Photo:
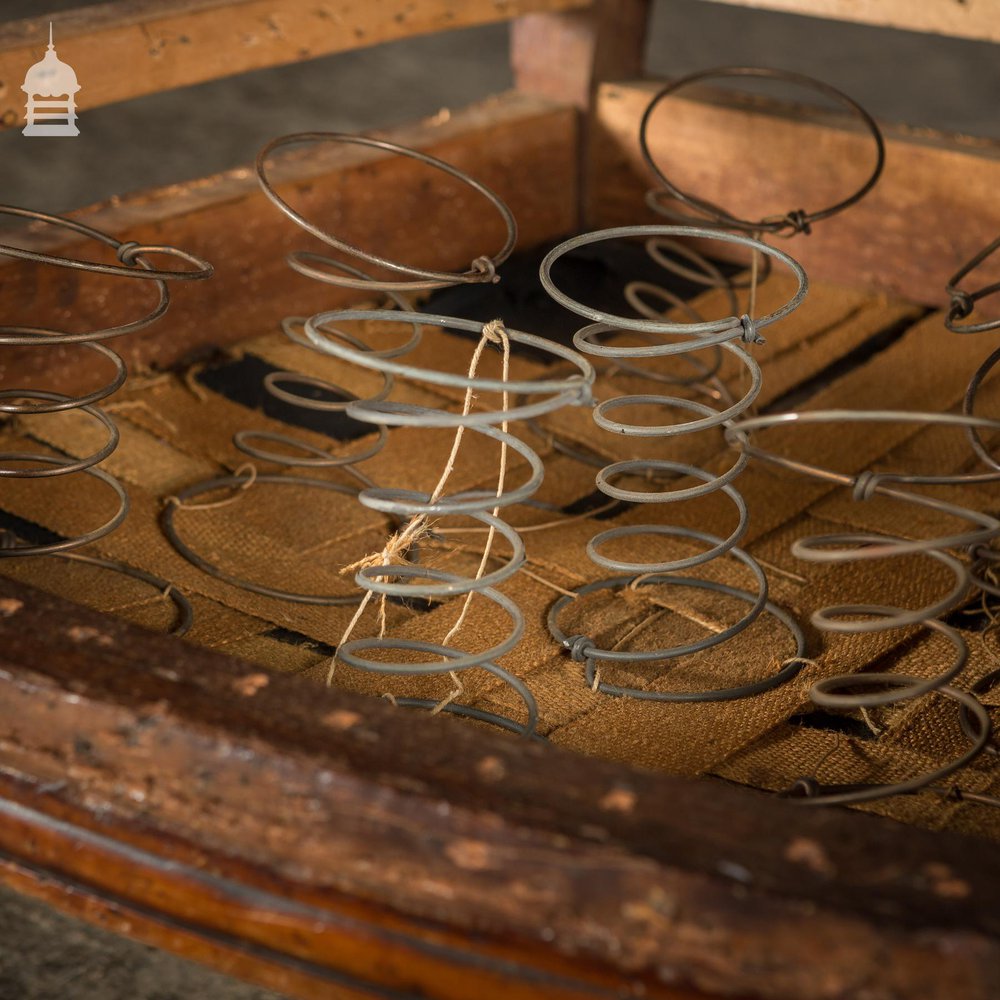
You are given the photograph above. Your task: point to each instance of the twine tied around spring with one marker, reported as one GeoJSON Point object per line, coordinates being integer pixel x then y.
{"type": "Point", "coordinates": [400, 543]}
{"type": "Point", "coordinates": [239, 489]}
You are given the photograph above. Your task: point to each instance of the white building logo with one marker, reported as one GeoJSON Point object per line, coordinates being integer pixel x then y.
{"type": "Point", "coordinates": [54, 79]}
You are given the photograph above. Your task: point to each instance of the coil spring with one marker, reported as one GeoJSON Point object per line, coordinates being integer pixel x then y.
{"type": "Point", "coordinates": [865, 619]}
{"type": "Point", "coordinates": [409, 580]}
{"type": "Point", "coordinates": [833, 692]}
{"type": "Point", "coordinates": [697, 336]}
{"type": "Point", "coordinates": [683, 261]}
{"type": "Point", "coordinates": [16, 402]}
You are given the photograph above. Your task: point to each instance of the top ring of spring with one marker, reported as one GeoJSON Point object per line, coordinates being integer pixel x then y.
{"type": "Point", "coordinates": [706, 333]}
{"type": "Point", "coordinates": [482, 269]}
{"type": "Point", "coordinates": [963, 302]}
{"type": "Point", "coordinates": [128, 253]}
{"type": "Point", "coordinates": [797, 220]}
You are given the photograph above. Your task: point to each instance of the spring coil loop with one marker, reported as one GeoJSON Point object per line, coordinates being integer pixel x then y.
{"type": "Point", "coordinates": [303, 391]}
{"type": "Point", "coordinates": [884, 689]}
{"type": "Point", "coordinates": [407, 580]}
{"type": "Point", "coordinates": [15, 402]}
{"type": "Point", "coordinates": [704, 212]}
{"type": "Point", "coordinates": [867, 619]}
{"type": "Point", "coordinates": [686, 263]}
{"type": "Point", "coordinates": [728, 335]}
{"type": "Point", "coordinates": [404, 577]}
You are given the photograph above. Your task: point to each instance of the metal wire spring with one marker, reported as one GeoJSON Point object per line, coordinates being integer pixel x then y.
{"type": "Point", "coordinates": [15, 402]}
{"type": "Point", "coordinates": [726, 335]}
{"type": "Point", "coordinates": [879, 689]}
{"type": "Point", "coordinates": [300, 454]}
{"type": "Point", "coordinates": [835, 692]}
{"type": "Point", "coordinates": [400, 574]}
{"type": "Point", "coordinates": [407, 580]}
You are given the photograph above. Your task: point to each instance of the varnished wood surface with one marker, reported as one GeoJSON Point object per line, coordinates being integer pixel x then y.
{"type": "Point", "coordinates": [522, 147]}
{"type": "Point", "coordinates": [580, 867]}
{"type": "Point", "coordinates": [129, 48]}
{"type": "Point", "coordinates": [932, 209]}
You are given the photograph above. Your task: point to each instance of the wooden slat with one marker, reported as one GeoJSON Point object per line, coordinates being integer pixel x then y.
{"type": "Point", "coordinates": [470, 845]}
{"type": "Point", "coordinates": [979, 19]}
{"type": "Point", "coordinates": [625, 879]}
{"type": "Point", "coordinates": [564, 56]}
{"type": "Point", "coordinates": [340, 948]}
{"type": "Point", "coordinates": [933, 208]}
{"type": "Point", "coordinates": [127, 49]}
{"type": "Point", "coordinates": [522, 147]}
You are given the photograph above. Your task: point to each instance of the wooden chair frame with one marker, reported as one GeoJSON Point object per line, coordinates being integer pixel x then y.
{"type": "Point", "coordinates": [327, 845]}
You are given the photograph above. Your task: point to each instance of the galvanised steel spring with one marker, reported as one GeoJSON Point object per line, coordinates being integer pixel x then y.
{"type": "Point", "coordinates": [728, 334]}
{"type": "Point", "coordinates": [398, 572]}
{"type": "Point", "coordinates": [133, 263]}
{"type": "Point", "coordinates": [881, 689]}
{"type": "Point", "coordinates": [407, 578]}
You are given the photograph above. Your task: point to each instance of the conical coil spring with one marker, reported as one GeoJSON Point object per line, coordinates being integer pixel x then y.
{"type": "Point", "coordinates": [303, 391]}
{"type": "Point", "coordinates": [405, 577]}
{"type": "Point", "coordinates": [729, 335]}
{"type": "Point", "coordinates": [963, 304]}
{"type": "Point", "coordinates": [880, 689]}
{"type": "Point", "coordinates": [16, 402]}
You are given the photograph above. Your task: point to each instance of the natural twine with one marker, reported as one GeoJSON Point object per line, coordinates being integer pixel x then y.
{"type": "Point", "coordinates": [399, 544]}
{"type": "Point", "coordinates": [240, 489]}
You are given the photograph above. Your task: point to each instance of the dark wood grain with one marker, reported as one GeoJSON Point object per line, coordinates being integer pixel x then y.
{"type": "Point", "coordinates": [579, 867]}
{"type": "Point", "coordinates": [522, 147]}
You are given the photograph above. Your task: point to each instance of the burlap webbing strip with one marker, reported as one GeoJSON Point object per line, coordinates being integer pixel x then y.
{"type": "Point", "coordinates": [178, 436]}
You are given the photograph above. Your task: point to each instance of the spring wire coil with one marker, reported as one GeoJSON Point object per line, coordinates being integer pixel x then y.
{"type": "Point", "coordinates": [878, 689]}
{"type": "Point", "coordinates": [408, 580]}
{"type": "Point", "coordinates": [728, 334]}
{"type": "Point", "coordinates": [831, 692]}
{"type": "Point", "coordinates": [14, 402]}
{"type": "Point", "coordinates": [404, 577]}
